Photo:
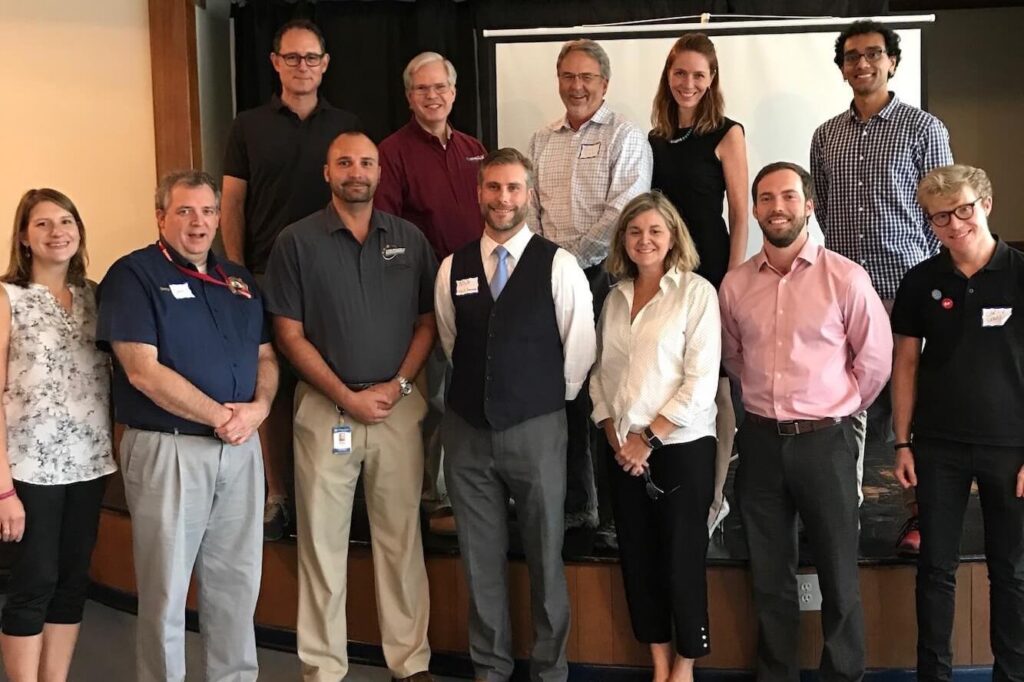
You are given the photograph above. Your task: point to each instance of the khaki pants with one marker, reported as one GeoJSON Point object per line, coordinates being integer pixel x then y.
{"type": "Point", "coordinates": [390, 456]}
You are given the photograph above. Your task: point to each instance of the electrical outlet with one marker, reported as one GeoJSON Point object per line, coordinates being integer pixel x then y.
{"type": "Point", "coordinates": [808, 591]}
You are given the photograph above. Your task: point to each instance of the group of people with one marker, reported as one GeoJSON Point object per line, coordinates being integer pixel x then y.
{"type": "Point", "coordinates": [433, 310]}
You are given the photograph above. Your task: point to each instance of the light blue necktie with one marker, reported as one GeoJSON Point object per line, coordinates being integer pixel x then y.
{"type": "Point", "coordinates": [501, 274]}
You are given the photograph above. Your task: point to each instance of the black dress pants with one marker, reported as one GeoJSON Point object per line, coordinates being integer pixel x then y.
{"type": "Point", "coordinates": [663, 545]}
{"type": "Point", "coordinates": [814, 475]}
{"type": "Point", "coordinates": [945, 470]}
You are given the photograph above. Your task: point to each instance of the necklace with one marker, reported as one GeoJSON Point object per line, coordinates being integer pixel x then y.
{"type": "Point", "coordinates": [683, 138]}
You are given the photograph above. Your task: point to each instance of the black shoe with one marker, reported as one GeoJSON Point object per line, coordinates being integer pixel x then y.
{"type": "Point", "coordinates": [275, 518]}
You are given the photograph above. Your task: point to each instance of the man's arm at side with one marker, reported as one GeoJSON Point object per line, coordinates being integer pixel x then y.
{"type": "Point", "coordinates": [904, 398]}
{"type": "Point", "coordinates": [165, 387]}
{"type": "Point", "coordinates": [574, 314]}
{"type": "Point", "coordinates": [232, 217]}
{"type": "Point", "coordinates": [869, 335]}
{"type": "Point", "coordinates": [444, 309]}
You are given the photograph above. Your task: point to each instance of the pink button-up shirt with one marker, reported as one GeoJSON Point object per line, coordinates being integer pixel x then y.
{"type": "Point", "coordinates": [812, 343]}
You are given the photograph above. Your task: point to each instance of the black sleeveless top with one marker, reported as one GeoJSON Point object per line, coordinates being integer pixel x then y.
{"type": "Point", "coordinates": [690, 175]}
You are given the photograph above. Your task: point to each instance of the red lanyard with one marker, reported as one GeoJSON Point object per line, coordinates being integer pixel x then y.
{"type": "Point", "coordinates": [234, 284]}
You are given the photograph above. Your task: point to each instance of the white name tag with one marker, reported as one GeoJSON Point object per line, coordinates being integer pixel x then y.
{"type": "Point", "coordinates": [464, 287]}
{"type": "Point", "coordinates": [181, 291]}
{"type": "Point", "coordinates": [590, 151]}
{"type": "Point", "coordinates": [341, 440]}
{"type": "Point", "coordinates": [995, 317]}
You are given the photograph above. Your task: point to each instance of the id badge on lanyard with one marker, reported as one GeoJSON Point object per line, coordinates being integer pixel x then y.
{"type": "Point", "coordinates": [341, 437]}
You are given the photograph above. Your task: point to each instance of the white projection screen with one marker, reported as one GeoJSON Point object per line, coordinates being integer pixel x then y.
{"type": "Point", "coordinates": [778, 79]}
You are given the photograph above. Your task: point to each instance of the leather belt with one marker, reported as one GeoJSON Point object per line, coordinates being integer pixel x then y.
{"type": "Point", "coordinates": [795, 427]}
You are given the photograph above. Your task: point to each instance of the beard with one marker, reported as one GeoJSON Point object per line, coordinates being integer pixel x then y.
{"type": "Point", "coordinates": [517, 218]}
{"type": "Point", "coordinates": [786, 237]}
{"type": "Point", "coordinates": [353, 192]}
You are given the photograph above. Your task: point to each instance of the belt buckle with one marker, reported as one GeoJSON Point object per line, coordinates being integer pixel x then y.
{"type": "Point", "coordinates": [794, 425]}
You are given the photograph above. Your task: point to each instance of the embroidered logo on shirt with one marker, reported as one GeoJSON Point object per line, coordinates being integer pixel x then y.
{"type": "Point", "coordinates": [389, 252]}
{"type": "Point", "coordinates": [475, 158]}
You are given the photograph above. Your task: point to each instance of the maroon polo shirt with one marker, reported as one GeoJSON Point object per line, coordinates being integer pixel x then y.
{"type": "Point", "coordinates": [431, 186]}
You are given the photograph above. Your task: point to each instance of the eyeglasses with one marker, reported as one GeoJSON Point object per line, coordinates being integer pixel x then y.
{"type": "Point", "coordinates": [293, 58]}
{"type": "Point", "coordinates": [437, 89]}
{"type": "Point", "coordinates": [586, 78]}
{"type": "Point", "coordinates": [872, 54]}
{"type": "Point", "coordinates": [653, 491]}
{"type": "Point", "coordinates": [963, 212]}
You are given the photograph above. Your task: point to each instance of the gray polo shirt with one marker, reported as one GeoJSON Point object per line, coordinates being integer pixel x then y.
{"type": "Point", "coordinates": [357, 303]}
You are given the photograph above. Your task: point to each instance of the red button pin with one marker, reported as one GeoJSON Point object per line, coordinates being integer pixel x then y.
{"type": "Point", "coordinates": [947, 303]}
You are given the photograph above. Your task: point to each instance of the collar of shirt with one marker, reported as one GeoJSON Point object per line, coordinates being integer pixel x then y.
{"type": "Point", "coordinates": [808, 254]}
{"type": "Point", "coordinates": [515, 246]}
{"type": "Point", "coordinates": [423, 136]}
{"type": "Point", "coordinates": [672, 277]}
{"type": "Point", "coordinates": [278, 104]}
{"type": "Point", "coordinates": [999, 260]}
{"type": "Point", "coordinates": [603, 115]}
{"type": "Point", "coordinates": [886, 111]}
{"type": "Point", "coordinates": [333, 221]}
{"type": "Point", "coordinates": [178, 259]}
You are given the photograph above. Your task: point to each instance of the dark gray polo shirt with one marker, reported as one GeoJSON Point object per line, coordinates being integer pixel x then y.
{"type": "Point", "coordinates": [357, 303]}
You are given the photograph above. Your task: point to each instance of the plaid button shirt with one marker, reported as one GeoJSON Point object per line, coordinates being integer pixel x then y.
{"type": "Point", "coordinates": [866, 175]}
{"type": "Point", "coordinates": [584, 179]}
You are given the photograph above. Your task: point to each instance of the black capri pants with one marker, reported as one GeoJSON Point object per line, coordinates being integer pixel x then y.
{"type": "Point", "coordinates": [50, 573]}
{"type": "Point", "coordinates": [663, 545]}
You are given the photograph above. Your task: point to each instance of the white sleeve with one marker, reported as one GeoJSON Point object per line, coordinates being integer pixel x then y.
{"type": "Point", "coordinates": [574, 313]}
{"type": "Point", "coordinates": [444, 309]}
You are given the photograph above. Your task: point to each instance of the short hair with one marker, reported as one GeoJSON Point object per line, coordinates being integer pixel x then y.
{"type": "Point", "coordinates": [863, 27]}
{"type": "Point", "coordinates": [507, 156]}
{"type": "Point", "coordinates": [188, 178]}
{"type": "Point", "coordinates": [19, 268]}
{"type": "Point", "coordinates": [682, 254]}
{"type": "Point", "coordinates": [299, 25]}
{"type": "Point", "coordinates": [805, 178]}
{"type": "Point", "coordinates": [590, 48]}
{"type": "Point", "coordinates": [711, 108]}
{"type": "Point", "coordinates": [947, 181]}
{"type": "Point", "coordinates": [421, 60]}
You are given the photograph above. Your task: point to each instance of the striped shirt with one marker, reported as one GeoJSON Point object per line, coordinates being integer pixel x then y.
{"type": "Point", "coordinates": [584, 179]}
{"type": "Point", "coordinates": [866, 175]}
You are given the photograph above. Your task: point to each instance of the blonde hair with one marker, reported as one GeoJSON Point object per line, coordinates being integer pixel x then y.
{"type": "Point", "coordinates": [682, 254]}
{"type": "Point", "coordinates": [19, 268]}
{"type": "Point", "coordinates": [710, 110]}
{"type": "Point", "coordinates": [946, 181]}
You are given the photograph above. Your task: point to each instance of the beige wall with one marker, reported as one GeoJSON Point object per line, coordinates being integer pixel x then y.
{"type": "Point", "coordinates": [77, 115]}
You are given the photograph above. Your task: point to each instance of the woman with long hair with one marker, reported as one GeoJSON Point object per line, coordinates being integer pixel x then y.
{"type": "Point", "coordinates": [700, 159]}
{"type": "Point", "coordinates": [55, 435]}
{"type": "Point", "coordinates": [653, 389]}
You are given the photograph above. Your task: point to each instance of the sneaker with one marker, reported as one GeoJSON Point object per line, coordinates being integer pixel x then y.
{"type": "Point", "coordinates": [715, 517]}
{"type": "Point", "coordinates": [275, 518]}
{"type": "Point", "coordinates": [909, 540]}
{"type": "Point", "coordinates": [606, 537]}
{"type": "Point", "coordinates": [582, 519]}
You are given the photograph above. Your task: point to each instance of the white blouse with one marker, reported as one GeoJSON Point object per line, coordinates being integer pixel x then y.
{"type": "Point", "coordinates": [663, 362]}
{"type": "Point", "coordinates": [57, 397]}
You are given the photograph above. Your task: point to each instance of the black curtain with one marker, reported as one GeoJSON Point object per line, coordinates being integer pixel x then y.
{"type": "Point", "coordinates": [371, 42]}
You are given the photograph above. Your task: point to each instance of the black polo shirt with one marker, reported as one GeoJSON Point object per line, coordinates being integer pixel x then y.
{"type": "Point", "coordinates": [358, 303]}
{"type": "Point", "coordinates": [202, 331]}
{"type": "Point", "coordinates": [281, 157]}
{"type": "Point", "coordinates": [970, 384]}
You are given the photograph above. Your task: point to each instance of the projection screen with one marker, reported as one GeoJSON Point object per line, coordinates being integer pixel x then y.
{"type": "Point", "coordinates": [778, 79]}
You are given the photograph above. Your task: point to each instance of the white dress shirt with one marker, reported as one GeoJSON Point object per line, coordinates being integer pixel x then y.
{"type": "Point", "coordinates": [584, 179]}
{"type": "Point", "coordinates": [663, 362]}
{"type": "Point", "coordinates": [574, 307]}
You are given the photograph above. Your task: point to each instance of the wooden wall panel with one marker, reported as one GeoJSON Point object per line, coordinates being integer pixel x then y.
{"type": "Point", "coordinates": [172, 38]}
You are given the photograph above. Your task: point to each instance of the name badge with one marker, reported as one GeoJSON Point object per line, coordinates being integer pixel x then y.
{"type": "Point", "coordinates": [995, 317]}
{"type": "Point", "coordinates": [180, 291]}
{"type": "Point", "coordinates": [464, 287]}
{"type": "Point", "coordinates": [590, 151]}
{"type": "Point", "coordinates": [341, 439]}
{"type": "Point", "coordinates": [390, 252]}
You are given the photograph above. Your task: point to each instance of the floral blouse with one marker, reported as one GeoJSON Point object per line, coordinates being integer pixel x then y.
{"type": "Point", "coordinates": [57, 397]}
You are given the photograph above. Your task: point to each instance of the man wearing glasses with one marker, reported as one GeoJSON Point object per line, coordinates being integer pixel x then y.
{"type": "Point", "coordinates": [428, 177]}
{"type": "Point", "coordinates": [958, 408]}
{"type": "Point", "coordinates": [273, 176]}
{"type": "Point", "coordinates": [590, 162]}
{"type": "Point", "coordinates": [808, 340]}
{"type": "Point", "coordinates": [866, 163]}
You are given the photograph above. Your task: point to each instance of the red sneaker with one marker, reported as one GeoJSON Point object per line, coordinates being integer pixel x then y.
{"type": "Point", "coordinates": [909, 540]}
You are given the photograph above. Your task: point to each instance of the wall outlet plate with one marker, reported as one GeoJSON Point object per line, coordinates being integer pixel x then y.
{"type": "Point", "coordinates": [808, 591]}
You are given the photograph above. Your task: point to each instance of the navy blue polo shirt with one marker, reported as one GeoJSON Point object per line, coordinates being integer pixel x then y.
{"type": "Point", "coordinates": [201, 330]}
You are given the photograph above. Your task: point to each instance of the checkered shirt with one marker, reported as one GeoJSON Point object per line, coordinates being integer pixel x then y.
{"type": "Point", "coordinates": [866, 175]}
{"type": "Point", "coordinates": [584, 179]}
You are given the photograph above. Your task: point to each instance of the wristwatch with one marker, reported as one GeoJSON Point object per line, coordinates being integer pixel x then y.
{"type": "Point", "coordinates": [404, 384]}
{"type": "Point", "coordinates": [652, 440]}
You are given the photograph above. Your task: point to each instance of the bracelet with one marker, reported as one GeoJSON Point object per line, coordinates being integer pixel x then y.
{"type": "Point", "coordinates": [10, 493]}
{"type": "Point", "coordinates": [900, 446]}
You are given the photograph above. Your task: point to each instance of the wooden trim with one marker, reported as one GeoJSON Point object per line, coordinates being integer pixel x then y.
{"type": "Point", "coordinates": [176, 123]}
